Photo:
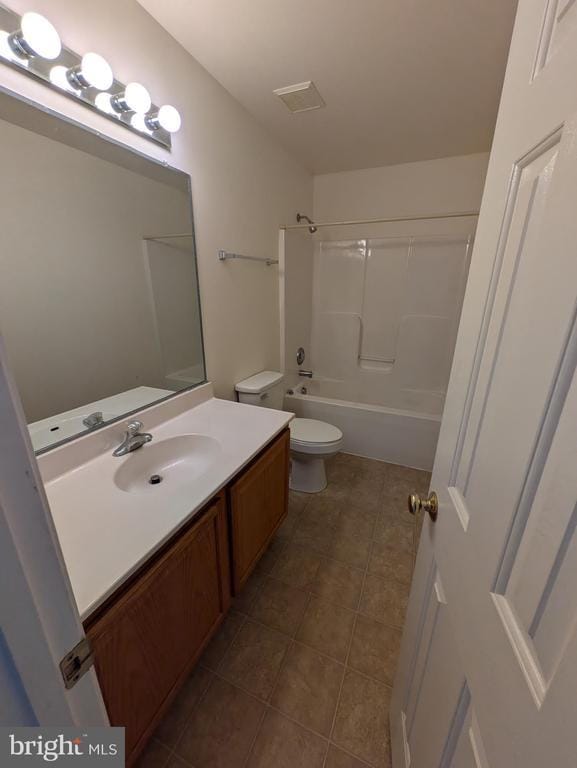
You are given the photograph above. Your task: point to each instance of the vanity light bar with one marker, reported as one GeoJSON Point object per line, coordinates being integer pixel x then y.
{"type": "Point", "coordinates": [31, 44]}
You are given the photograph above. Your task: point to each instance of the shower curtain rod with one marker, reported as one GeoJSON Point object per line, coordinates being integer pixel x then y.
{"type": "Point", "coordinates": [167, 237]}
{"type": "Point", "coordinates": [421, 217]}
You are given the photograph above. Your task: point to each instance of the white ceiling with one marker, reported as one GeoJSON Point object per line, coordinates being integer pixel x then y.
{"type": "Point", "coordinates": [403, 80]}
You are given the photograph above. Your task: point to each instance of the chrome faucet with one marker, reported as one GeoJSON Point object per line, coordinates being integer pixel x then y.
{"type": "Point", "coordinates": [306, 374]}
{"type": "Point", "coordinates": [133, 439]}
{"type": "Point", "coordinates": [93, 420]}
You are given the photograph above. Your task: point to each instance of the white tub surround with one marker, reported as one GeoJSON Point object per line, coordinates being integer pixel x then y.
{"type": "Point", "coordinates": [107, 525]}
{"type": "Point", "coordinates": [397, 436]}
{"type": "Point", "coordinates": [385, 316]}
{"type": "Point", "coordinates": [381, 333]}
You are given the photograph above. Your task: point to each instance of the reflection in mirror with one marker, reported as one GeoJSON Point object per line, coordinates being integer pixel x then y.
{"type": "Point", "coordinates": [99, 305]}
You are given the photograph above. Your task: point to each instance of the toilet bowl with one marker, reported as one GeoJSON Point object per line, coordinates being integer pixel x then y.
{"type": "Point", "coordinates": [311, 441]}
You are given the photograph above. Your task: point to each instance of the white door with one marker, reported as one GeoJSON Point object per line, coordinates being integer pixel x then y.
{"type": "Point", "coordinates": [39, 622]}
{"type": "Point", "coordinates": [488, 668]}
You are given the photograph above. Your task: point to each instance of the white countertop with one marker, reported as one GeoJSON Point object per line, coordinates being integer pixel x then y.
{"type": "Point", "coordinates": [106, 533]}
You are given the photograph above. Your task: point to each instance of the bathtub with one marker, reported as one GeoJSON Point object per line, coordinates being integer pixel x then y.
{"type": "Point", "coordinates": [376, 432]}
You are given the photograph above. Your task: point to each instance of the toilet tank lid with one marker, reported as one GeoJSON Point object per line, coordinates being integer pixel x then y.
{"type": "Point", "coordinates": [260, 382]}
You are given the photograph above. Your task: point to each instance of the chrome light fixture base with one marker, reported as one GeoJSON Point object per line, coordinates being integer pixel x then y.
{"type": "Point", "coordinates": [23, 60]}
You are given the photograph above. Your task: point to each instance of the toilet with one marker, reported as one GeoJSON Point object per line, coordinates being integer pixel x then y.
{"type": "Point", "coordinates": [311, 441]}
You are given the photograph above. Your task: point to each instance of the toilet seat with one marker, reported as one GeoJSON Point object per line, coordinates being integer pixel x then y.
{"type": "Point", "coordinates": [314, 437]}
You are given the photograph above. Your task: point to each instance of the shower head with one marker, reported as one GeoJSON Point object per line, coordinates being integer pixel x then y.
{"type": "Point", "coordinates": [312, 228]}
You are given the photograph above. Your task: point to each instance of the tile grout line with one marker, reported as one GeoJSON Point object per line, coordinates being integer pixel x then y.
{"type": "Point", "coordinates": [350, 645]}
{"type": "Point", "coordinates": [202, 696]}
{"type": "Point", "coordinates": [287, 650]}
{"type": "Point", "coordinates": [245, 617]}
{"type": "Point", "coordinates": [236, 634]}
{"type": "Point", "coordinates": [358, 613]}
{"type": "Point", "coordinates": [267, 703]}
{"type": "Point", "coordinates": [256, 735]}
{"type": "Point", "coordinates": [293, 642]}
{"type": "Point", "coordinates": [197, 704]}
{"type": "Point", "coordinates": [268, 706]}
{"type": "Point", "coordinates": [310, 592]}
{"type": "Point", "coordinates": [338, 700]}
{"type": "Point", "coordinates": [311, 596]}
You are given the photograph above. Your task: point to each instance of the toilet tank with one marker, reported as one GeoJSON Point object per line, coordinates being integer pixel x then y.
{"type": "Point", "coordinates": [264, 389]}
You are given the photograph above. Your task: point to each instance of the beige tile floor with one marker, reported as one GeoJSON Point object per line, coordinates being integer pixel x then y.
{"type": "Point", "coordinates": [300, 673]}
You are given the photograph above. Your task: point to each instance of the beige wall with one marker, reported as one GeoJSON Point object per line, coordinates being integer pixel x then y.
{"type": "Point", "coordinates": [244, 184]}
{"type": "Point", "coordinates": [433, 186]}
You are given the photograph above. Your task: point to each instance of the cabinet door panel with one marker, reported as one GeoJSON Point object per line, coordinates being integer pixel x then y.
{"type": "Point", "coordinates": [146, 642]}
{"type": "Point", "coordinates": [259, 503]}
{"type": "Point", "coordinates": [276, 482]}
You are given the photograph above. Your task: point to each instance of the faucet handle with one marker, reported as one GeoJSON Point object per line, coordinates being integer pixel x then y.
{"type": "Point", "coordinates": [133, 427]}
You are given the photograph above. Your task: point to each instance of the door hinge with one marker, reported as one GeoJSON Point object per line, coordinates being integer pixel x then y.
{"type": "Point", "coordinates": [76, 663]}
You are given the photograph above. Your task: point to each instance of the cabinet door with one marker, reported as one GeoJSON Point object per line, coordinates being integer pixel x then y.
{"type": "Point", "coordinates": [258, 505]}
{"type": "Point", "coordinates": [146, 643]}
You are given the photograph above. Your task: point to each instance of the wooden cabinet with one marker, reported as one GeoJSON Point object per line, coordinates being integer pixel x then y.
{"type": "Point", "coordinates": [149, 634]}
{"type": "Point", "coordinates": [147, 640]}
{"type": "Point", "coordinates": [258, 505]}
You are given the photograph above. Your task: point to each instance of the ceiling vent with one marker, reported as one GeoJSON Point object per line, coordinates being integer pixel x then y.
{"type": "Point", "coordinates": [300, 97]}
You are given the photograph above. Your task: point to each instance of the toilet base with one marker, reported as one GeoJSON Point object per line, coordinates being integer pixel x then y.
{"type": "Point", "coordinates": [307, 473]}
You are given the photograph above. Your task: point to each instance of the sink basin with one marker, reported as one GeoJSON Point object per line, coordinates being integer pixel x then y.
{"type": "Point", "coordinates": [171, 463]}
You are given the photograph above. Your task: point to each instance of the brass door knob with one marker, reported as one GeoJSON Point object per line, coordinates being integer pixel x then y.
{"type": "Point", "coordinates": [430, 505]}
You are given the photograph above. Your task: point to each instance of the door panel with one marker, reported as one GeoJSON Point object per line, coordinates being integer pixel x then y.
{"type": "Point", "coordinates": [526, 204]}
{"type": "Point", "coordinates": [490, 673]}
{"type": "Point", "coordinates": [466, 750]}
{"type": "Point", "coordinates": [428, 730]}
{"type": "Point", "coordinates": [560, 22]}
{"type": "Point", "coordinates": [536, 597]}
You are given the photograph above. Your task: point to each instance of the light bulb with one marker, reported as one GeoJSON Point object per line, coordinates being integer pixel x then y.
{"type": "Point", "coordinates": [93, 72]}
{"type": "Point", "coordinates": [137, 98]}
{"type": "Point", "coordinates": [36, 37]}
{"type": "Point", "coordinates": [169, 118]}
{"type": "Point", "coordinates": [134, 99]}
{"type": "Point", "coordinates": [58, 77]}
{"type": "Point", "coordinates": [138, 121]}
{"type": "Point", "coordinates": [103, 102]}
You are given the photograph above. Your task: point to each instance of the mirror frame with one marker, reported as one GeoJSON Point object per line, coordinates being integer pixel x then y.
{"type": "Point", "coordinates": [120, 146]}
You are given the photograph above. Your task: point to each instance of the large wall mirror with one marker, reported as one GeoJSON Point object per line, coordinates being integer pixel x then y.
{"type": "Point", "coordinates": [99, 303]}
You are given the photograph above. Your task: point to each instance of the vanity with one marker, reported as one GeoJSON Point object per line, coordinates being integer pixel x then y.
{"type": "Point", "coordinates": [153, 566]}
{"type": "Point", "coordinates": [100, 314]}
